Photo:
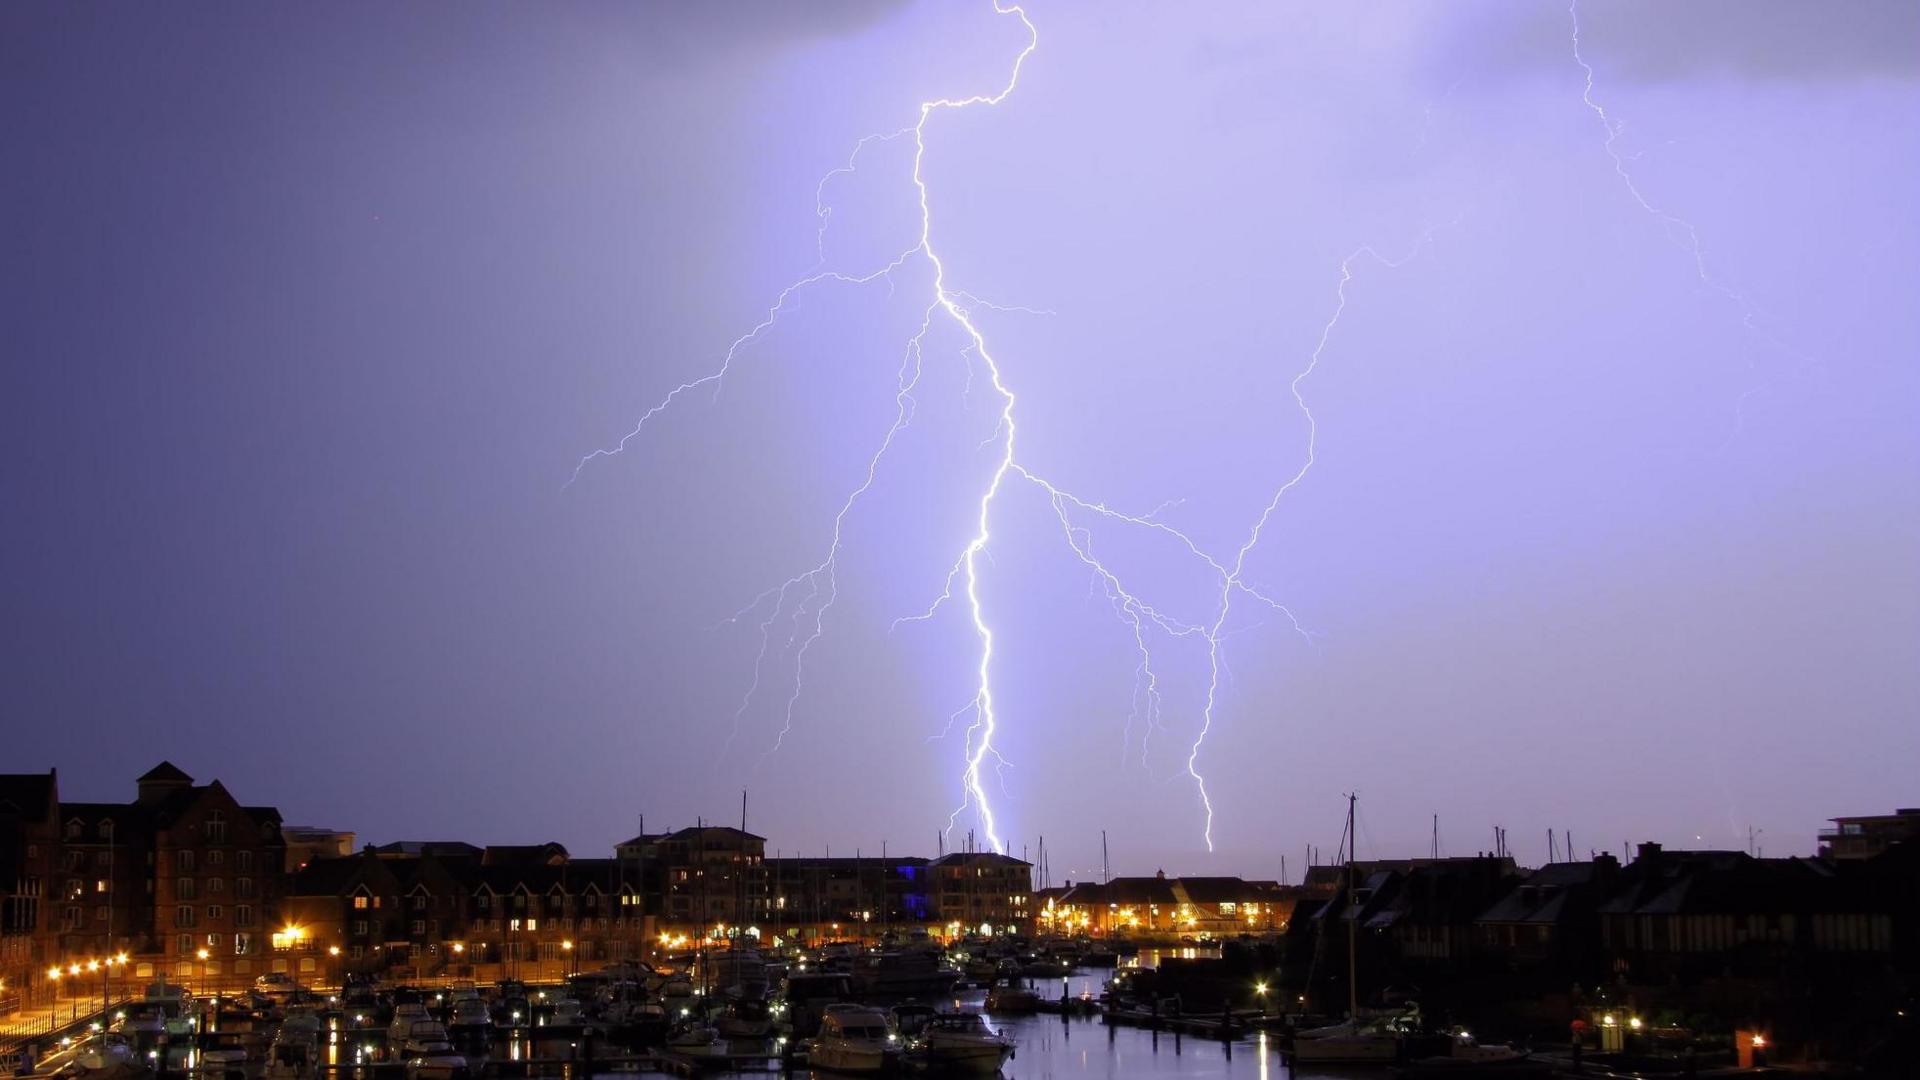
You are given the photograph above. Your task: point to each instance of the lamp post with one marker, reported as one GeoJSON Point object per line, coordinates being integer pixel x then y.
{"type": "Point", "coordinates": [203, 954]}
{"type": "Point", "coordinates": [566, 959]}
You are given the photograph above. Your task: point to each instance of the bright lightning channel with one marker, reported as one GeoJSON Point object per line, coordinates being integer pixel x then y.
{"type": "Point", "coordinates": [806, 598]}
{"type": "Point", "coordinates": [1231, 579]}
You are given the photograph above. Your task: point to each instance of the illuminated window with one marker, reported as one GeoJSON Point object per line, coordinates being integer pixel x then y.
{"type": "Point", "coordinates": [360, 903]}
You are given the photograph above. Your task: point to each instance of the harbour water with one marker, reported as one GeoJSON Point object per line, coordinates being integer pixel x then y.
{"type": "Point", "coordinates": [1065, 1044]}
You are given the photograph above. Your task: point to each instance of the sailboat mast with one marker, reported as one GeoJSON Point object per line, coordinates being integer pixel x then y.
{"type": "Point", "coordinates": [1353, 925]}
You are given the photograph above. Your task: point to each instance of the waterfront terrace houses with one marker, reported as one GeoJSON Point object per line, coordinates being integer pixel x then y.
{"type": "Point", "coordinates": [505, 912]}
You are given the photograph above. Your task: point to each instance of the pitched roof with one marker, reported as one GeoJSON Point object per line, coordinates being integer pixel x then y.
{"type": "Point", "coordinates": [165, 772]}
{"type": "Point", "coordinates": [416, 848]}
{"type": "Point", "coordinates": [697, 832]}
{"type": "Point", "coordinates": [28, 794]}
{"type": "Point", "coordinates": [1217, 890]}
{"type": "Point", "coordinates": [976, 858]}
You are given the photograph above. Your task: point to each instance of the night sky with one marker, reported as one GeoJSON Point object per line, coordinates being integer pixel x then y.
{"type": "Point", "coordinates": [309, 313]}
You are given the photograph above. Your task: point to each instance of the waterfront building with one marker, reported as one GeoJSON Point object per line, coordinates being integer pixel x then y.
{"type": "Point", "coordinates": [1870, 835]}
{"type": "Point", "coordinates": [1159, 905]}
{"type": "Point", "coordinates": [982, 892]}
{"type": "Point", "coordinates": [703, 879]}
{"type": "Point", "coordinates": [29, 851]}
{"type": "Point", "coordinates": [178, 883]}
{"type": "Point", "coordinates": [809, 894]}
{"type": "Point", "coordinates": [499, 912]}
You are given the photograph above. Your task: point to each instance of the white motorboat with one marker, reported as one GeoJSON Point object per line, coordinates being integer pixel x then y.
{"type": "Point", "coordinates": [423, 1036]}
{"type": "Point", "coordinates": [435, 1061]}
{"type": "Point", "coordinates": [1012, 1000]}
{"type": "Point", "coordinates": [107, 1052]}
{"type": "Point", "coordinates": [142, 1025]}
{"type": "Point", "coordinates": [223, 1055]}
{"type": "Point", "coordinates": [739, 974]}
{"type": "Point", "coordinates": [567, 1012]}
{"type": "Point", "coordinates": [854, 1039]}
{"type": "Point", "coordinates": [697, 1039]}
{"type": "Point", "coordinates": [1365, 1044]}
{"type": "Point", "coordinates": [405, 1015]}
{"type": "Point", "coordinates": [471, 1015]}
{"type": "Point", "coordinates": [961, 1044]}
{"type": "Point", "coordinates": [915, 974]}
{"type": "Point", "coordinates": [296, 1049]}
{"type": "Point", "coordinates": [1467, 1057]}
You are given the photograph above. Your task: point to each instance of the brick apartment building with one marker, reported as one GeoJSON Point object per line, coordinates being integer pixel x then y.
{"type": "Point", "coordinates": [143, 887]}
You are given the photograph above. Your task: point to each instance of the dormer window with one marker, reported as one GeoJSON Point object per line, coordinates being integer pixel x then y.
{"type": "Point", "coordinates": [215, 828]}
{"type": "Point", "coordinates": [106, 830]}
{"type": "Point", "coordinates": [73, 830]}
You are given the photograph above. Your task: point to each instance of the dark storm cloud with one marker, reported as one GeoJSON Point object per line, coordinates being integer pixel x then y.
{"type": "Point", "coordinates": [1661, 41]}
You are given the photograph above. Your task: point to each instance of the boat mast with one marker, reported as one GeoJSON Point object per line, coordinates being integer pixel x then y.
{"type": "Point", "coordinates": [1353, 925]}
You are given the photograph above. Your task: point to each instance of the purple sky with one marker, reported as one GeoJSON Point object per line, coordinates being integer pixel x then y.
{"type": "Point", "coordinates": [309, 314]}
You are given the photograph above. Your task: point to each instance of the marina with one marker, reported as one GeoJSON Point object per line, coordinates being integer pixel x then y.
{"type": "Point", "coordinates": [689, 1019]}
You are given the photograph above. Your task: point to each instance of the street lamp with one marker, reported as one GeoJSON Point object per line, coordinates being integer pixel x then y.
{"type": "Point", "coordinates": [202, 954]}
{"type": "Point", "coordinates": [567, 961]}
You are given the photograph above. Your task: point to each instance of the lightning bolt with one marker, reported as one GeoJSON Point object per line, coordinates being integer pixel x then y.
{"type": "Point", "coordinates": [986, 722]}
{"type": "Point", "coordinates": [805, 600]}
{"type": "Point", "coordinates": [1232, 578]}
{"type": "Point", "coordinates": [1677, 229]}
